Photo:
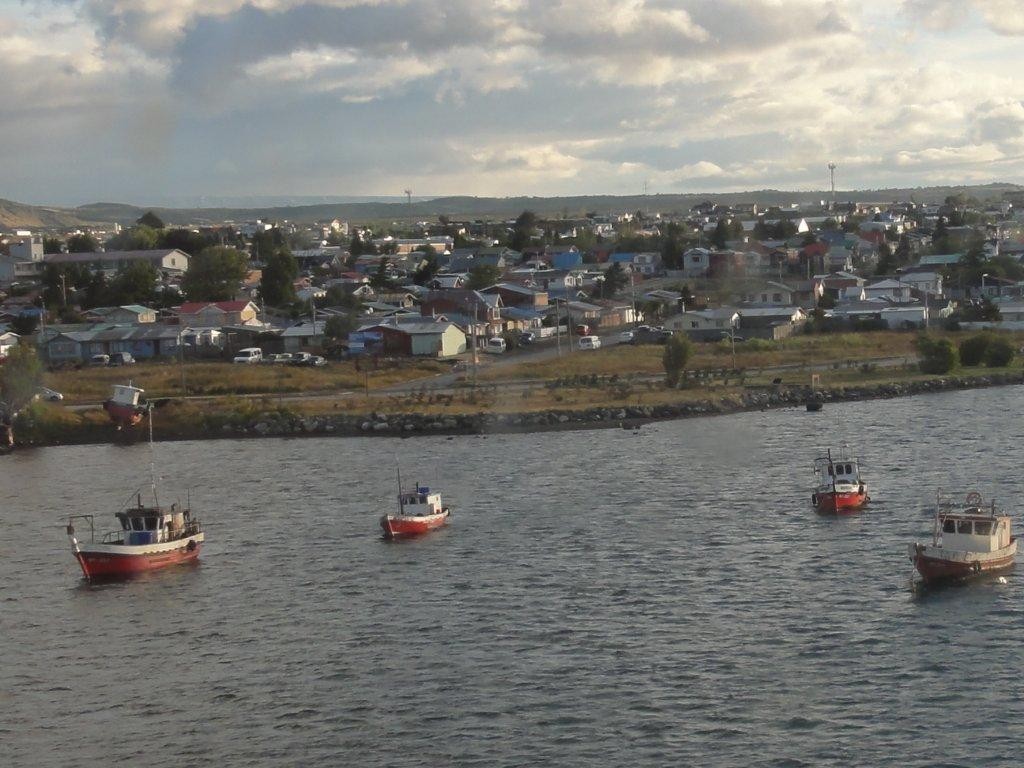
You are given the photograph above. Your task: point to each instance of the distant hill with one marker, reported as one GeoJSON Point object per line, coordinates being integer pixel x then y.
{"type": "Point", "coordinates": [18, 215]}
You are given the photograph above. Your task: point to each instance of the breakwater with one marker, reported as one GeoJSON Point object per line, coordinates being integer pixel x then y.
{"type": "Point", "coordinates": [284, 423]}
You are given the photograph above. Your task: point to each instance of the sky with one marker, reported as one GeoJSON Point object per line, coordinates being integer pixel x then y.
{"type": "Point", "coordinates": [143, 100]}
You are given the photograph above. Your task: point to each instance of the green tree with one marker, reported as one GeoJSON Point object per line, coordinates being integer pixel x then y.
{"type": "Point", "coordinates": [215, 274]}
{"type": "Point", "coordinates": [721, 234]}
{"type": "Point", "coordinates": [886, 260]}
{"type": "Point", "coordinates": [20, 378]}
{"type": "Point", "coordinates": [1000, 353]}
{"type": "Point", "coordinates": [356, 247]}
{"type": "Point", "coordinates": [426, 271]}
{"type": "Point", "coordinates": [523, 230]}
{"type": "Point", "coordinates": [483, 276]}
{"type": "Point", "coordinates": [380, 280]}
{"type": "Point", "coordinates": [25, 324]}
{"type": "Point", "coordinates": [150, 219]}
{"type": "Point", "coordinates": [185, 240]}
{"type": "Point", "coordinates": [678, 351]}
{"type": "Point", "coordinates": [277, 286]}
{"type": "Point", "coordinates": [972, 350]}
{"type": "Point", "coordinates": [134, 283]}
{"type": "Point", "coordinates": [340, 326]}
{"type": "Point", "coordinates": [615, 279]}
{"type": "Point", "coordinates": [138, 238]}
{"type": "Point", "coordinates": [96, 291]}
{"type": "Point", "coordinates": [266, 243]}
{"type": "Point", "coordinates": [51, 244]}
{"type": "Point", "coordinates": [937, 355]}
{"type": "Point", "coordinates": [83, 243]}
{"type": "Point", "coordinates": [903, 252]}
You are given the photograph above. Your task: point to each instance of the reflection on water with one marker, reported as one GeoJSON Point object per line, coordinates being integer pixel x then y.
{"type": "Point", "coordinates": [599, 598]}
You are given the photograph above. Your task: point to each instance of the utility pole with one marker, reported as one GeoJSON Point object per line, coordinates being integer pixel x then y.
{"type": "Point", "coordinates": [832, 180]}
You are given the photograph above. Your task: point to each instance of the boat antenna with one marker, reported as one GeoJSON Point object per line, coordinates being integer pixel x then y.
{"type": "Point", "coordinates": [832, 471]}
{"type": "Point", "coordinates": [401, 501]}
{"type": "Point", "coordinates": [152, 455]}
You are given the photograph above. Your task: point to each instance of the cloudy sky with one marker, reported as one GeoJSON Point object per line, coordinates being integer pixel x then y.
{"type": "Point", "coordinates": [142, 100]}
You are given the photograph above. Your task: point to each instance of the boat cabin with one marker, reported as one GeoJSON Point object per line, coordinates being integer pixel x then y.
{"type": "Point", "coordinates": [420, 502]}
{"type": "Point", "coordinates": [153, 525]}
{"type": "Point", "coordinates": [845, 471]}
{"type": "Point", "coordinates": [973, 530]}
{"type": "Point", "coordinates": [126, 394]}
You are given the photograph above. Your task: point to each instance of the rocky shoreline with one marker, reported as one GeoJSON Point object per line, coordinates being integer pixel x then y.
{"type": "Point", "coordinates": [408, 425]}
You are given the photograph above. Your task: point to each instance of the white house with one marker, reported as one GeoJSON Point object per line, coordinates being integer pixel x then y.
{"type": "Point", "coordinates": [894, 290]}
{"type": "Point", "coordinates": [705, 323]}
{"type": "Point", "coordinates": [696, 262]}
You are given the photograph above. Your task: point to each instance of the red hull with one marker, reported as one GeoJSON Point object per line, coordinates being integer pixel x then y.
{"type": "Point", "coordinates": [839, 503]}
{"type": "Point", "coordinates": [103, 565]}
{"type": "Point", "coordinates": [396, 527]}
{"type": "Point", "coordinates": [935, 570]}
{"type": "Point", "coordinates": [123, 415]}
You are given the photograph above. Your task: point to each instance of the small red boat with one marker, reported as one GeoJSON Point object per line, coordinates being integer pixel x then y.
{"type": "Point", "coordinates": [839, 489]}
{"type": "Point", "coordinates": [149, 538]}
{"type": "Point", "coordinates": [968, 540]}
{"type": "Point", "coordinates": [419, 511]}
{"type": "Point", "coordinates": [126, 406]}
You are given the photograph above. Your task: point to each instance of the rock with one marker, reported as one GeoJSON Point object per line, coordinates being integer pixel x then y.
{"type": "Point", "coordinates": [380, 426]}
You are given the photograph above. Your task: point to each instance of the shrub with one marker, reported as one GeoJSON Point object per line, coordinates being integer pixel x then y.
{"type": "Point", "coordinates": [937, 355]}
{"type": "Point", "coordinates": [973, 349]}
{"type": "Point", "coordinates": [678, 350]}
{"type": "Point", "coordinates": [999, 354]}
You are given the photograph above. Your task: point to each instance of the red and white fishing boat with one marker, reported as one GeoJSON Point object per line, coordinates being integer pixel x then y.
{"type": "Point", "coordinates": [126, 406]}
{"type": "Point", "coordinates": [839, 489]}
{"type": "Point", "coordinates": [419, 511]}
{"type": "Point", "coordinates": [150, 537]}
{"type": "Point", "coordinates": [968, 539]}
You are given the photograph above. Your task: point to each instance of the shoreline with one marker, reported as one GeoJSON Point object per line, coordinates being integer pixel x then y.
{"type": "Point", "coordinates": [378, 423]}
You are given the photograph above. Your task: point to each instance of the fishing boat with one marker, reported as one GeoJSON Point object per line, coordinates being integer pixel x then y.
{"type": "Point", "coordinates": [127, 405]}
{"type": "Point", "coordinates": [150, 537]}
{"type": "Point", "coordinates": [968, 539]}
{"type": "Point", "coordinates": [419, 511]}
{"type": "Point", "coordinates": [839, 487]}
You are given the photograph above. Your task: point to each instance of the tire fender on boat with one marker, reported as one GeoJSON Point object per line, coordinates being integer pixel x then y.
{"type": "Point", "coordinates": [191, 545]}
{"type": "Point", "coordinates": [976, 566]}
{"type": "Point", "coordinates": [814, 499]}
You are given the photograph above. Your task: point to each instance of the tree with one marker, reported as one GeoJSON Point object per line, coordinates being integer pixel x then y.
{"type": "Point", "coordinates": [903, 251]}
{"type": "Point", "coordinates": [185, 240]}
{"type": "Point", "coordinates": [1000, 353]}
{"type": "Point", "coordinates": [215, 274]}
{"type": "Point", "coordinates": [678, 351]}
{"type": "Point", "coordinates": [135, 283]}
{"type": "Point", "coordinates": [139, 238]}
{"type": "Point", "coordinates": [522, 231]}
{"type": "Point", "coordinates": [96, 290]}
{"type": "Point", "coordinates": [381, 281]}
{"type": "Point", "coordinates": [886, 260]}
{"type": "Point", "coordinates": [483, 276]}
{"type": "Point", "coordinates": [20, 378]}
{"type": "Point", "coordinates": [426, 271]}
{"type": "Point", "coordinates": [721, 234]}
{"type": "Point", "coordinates": [340, 326]}
{"type": "Point", "coordinates": [83, 243]}
{"type": "Point", "coordinates": [615, 279]}
{"type": "Point", "coordinates": [972, 350]}
{"type": "Point", "coordinates": [356, 247]}
{"type": "Point", "coordinates": [937, 355]}
{"type": "Point", "coordinates": [25, 323]}
{"type": "Point", "coordinates": [266, 243]}
{"type": "Point", "coordinates": [51, 244]}
{"type": "Point", "coordinates": [277, 283]}
{"type": "Point", "coordinates": [150, 219]}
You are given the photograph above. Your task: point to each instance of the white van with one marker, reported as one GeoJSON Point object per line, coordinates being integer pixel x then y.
{"type": "Point", "coordinates": [249, 355]}
{"type": "Point", "coordinates": [496, 346]}
{"type": "Point", "coordinates": [590, 342]}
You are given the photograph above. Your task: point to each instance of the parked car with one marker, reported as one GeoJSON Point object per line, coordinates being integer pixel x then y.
{"type": "Point", "coordinates": [121, 358]}
{"type": "Point", "coordinates": [626, 337]}
{"type": "Point", "coordinates": [300, 358]}
{"type": "Point", "coordinates": [590, 342]}
{"type": "Point", "coordinates": [99, 360]}
{"type": "Point", "coordinates": [316, 361]}
{"type": "Point", "coordinates": [646, 334]}
{"type": "Point", "coordinates": [496, 345]}
{"type": "Point", "coordinates": [582, 330]}
{"type": "Point", "coordinates": [277, 358]}
{"type": "Point", "coordinates": [248, 355]}
{"type": "Point", "coordinates": [45, 393]}
{"type": "Point", "coordinates": [527, 337]}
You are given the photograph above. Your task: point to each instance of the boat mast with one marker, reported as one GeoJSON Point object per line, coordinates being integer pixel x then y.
{"type": "Point", "coordinates": [152, 456]}
{"type": "Point", "coordinates": [831, 470]}
{"type": "Point", "coordinates": [401, 501]}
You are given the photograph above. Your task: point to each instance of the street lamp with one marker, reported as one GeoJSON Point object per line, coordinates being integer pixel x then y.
{"type": "Point", "coordinates": [732, 337]}
{"type": "Point", "coordinates": [983, 276]}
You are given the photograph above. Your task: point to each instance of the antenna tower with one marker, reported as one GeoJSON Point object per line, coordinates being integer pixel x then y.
{"type": "Point", "coordinates": [832, 180]}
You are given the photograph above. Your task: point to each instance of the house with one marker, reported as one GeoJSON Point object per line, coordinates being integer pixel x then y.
{"type": "Point", "coordinates": [169, 260]}
{"type": "Point", "coordinates": [923, 282]}
{"type": "Point", "coordinates": [426, 338]}
{"type": "Point", "coordinates": [773, 323]}
{"type": "Point", "coordinates": [441, 282]}
{"type": "Point", "coordinates": [216, 314]}
{"type": "Point", "coordinates": [8, 340]}
{"type": "Point", "coordinates": [893, 290]}
{"type": "Point", "coordinates": [893, 315]}
{"type": "Point", "coordinates": [705, 324]}
{"type": "Point", "coordinates": [305, 333]}
{"type": "Point", "coordinates": [474, 311]}
{"type": "Point", "coordinates": [696, 262]}
{"type": "Point", "coordinates": [647, 263]}
{"type": "Point", "coordinates": [79, 343]}
{"type": "Point", "coordinates": [131, 314]}
{"type": "Point", "coordinates": [768, 293]}
{"type": "Point", "coordinates": [522, 296]}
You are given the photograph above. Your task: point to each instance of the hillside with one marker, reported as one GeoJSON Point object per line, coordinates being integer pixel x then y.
{"type": "Point", "coordinates": [37, 217]}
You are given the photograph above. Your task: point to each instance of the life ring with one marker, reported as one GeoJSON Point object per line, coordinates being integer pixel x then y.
{"type": "Point", "coordinates": [191, 546]}
{"type": "Point", "coordinates": [976, 566]}
{"type": "Point", "coordinates": [973, 499]}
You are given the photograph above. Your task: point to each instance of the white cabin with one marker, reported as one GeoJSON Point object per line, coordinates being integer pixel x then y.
{"type": "Point", "coordinates": [972, 530]}
{"type": "Point", "coordinates": [843, 473]}
{"type": "Point", "coordinates": [126, 394]}
{"type": "Point", "coordinates": [420, 502]}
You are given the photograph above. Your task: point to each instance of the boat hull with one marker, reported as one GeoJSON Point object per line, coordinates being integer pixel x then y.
{"type": "Point", "coordinates": [839, 502]}
{"type": "Point", "coordinates": [123, 415]}
{"type": "Point", "coordinates": [401, 526]}
{"type": "Point", "coordinates": [119, 561]}
{"type": "Point", "coordinates": [936, 565]}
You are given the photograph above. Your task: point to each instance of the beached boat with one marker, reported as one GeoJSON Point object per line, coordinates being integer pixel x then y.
{"type": "Point", "coordinates": [126, 406]}
{"type": "Point", "coordinates": [419, 511]}
{"type": "Point", "coordinates": [839, 487]}
{"type": "Point", "coordinates": [969, 539]}
{"type": "Point", "coordinates": [150, 537]}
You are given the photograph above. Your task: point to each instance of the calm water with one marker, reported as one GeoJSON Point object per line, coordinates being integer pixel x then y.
{"type": "Point", "coordinates": [600, 598]}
